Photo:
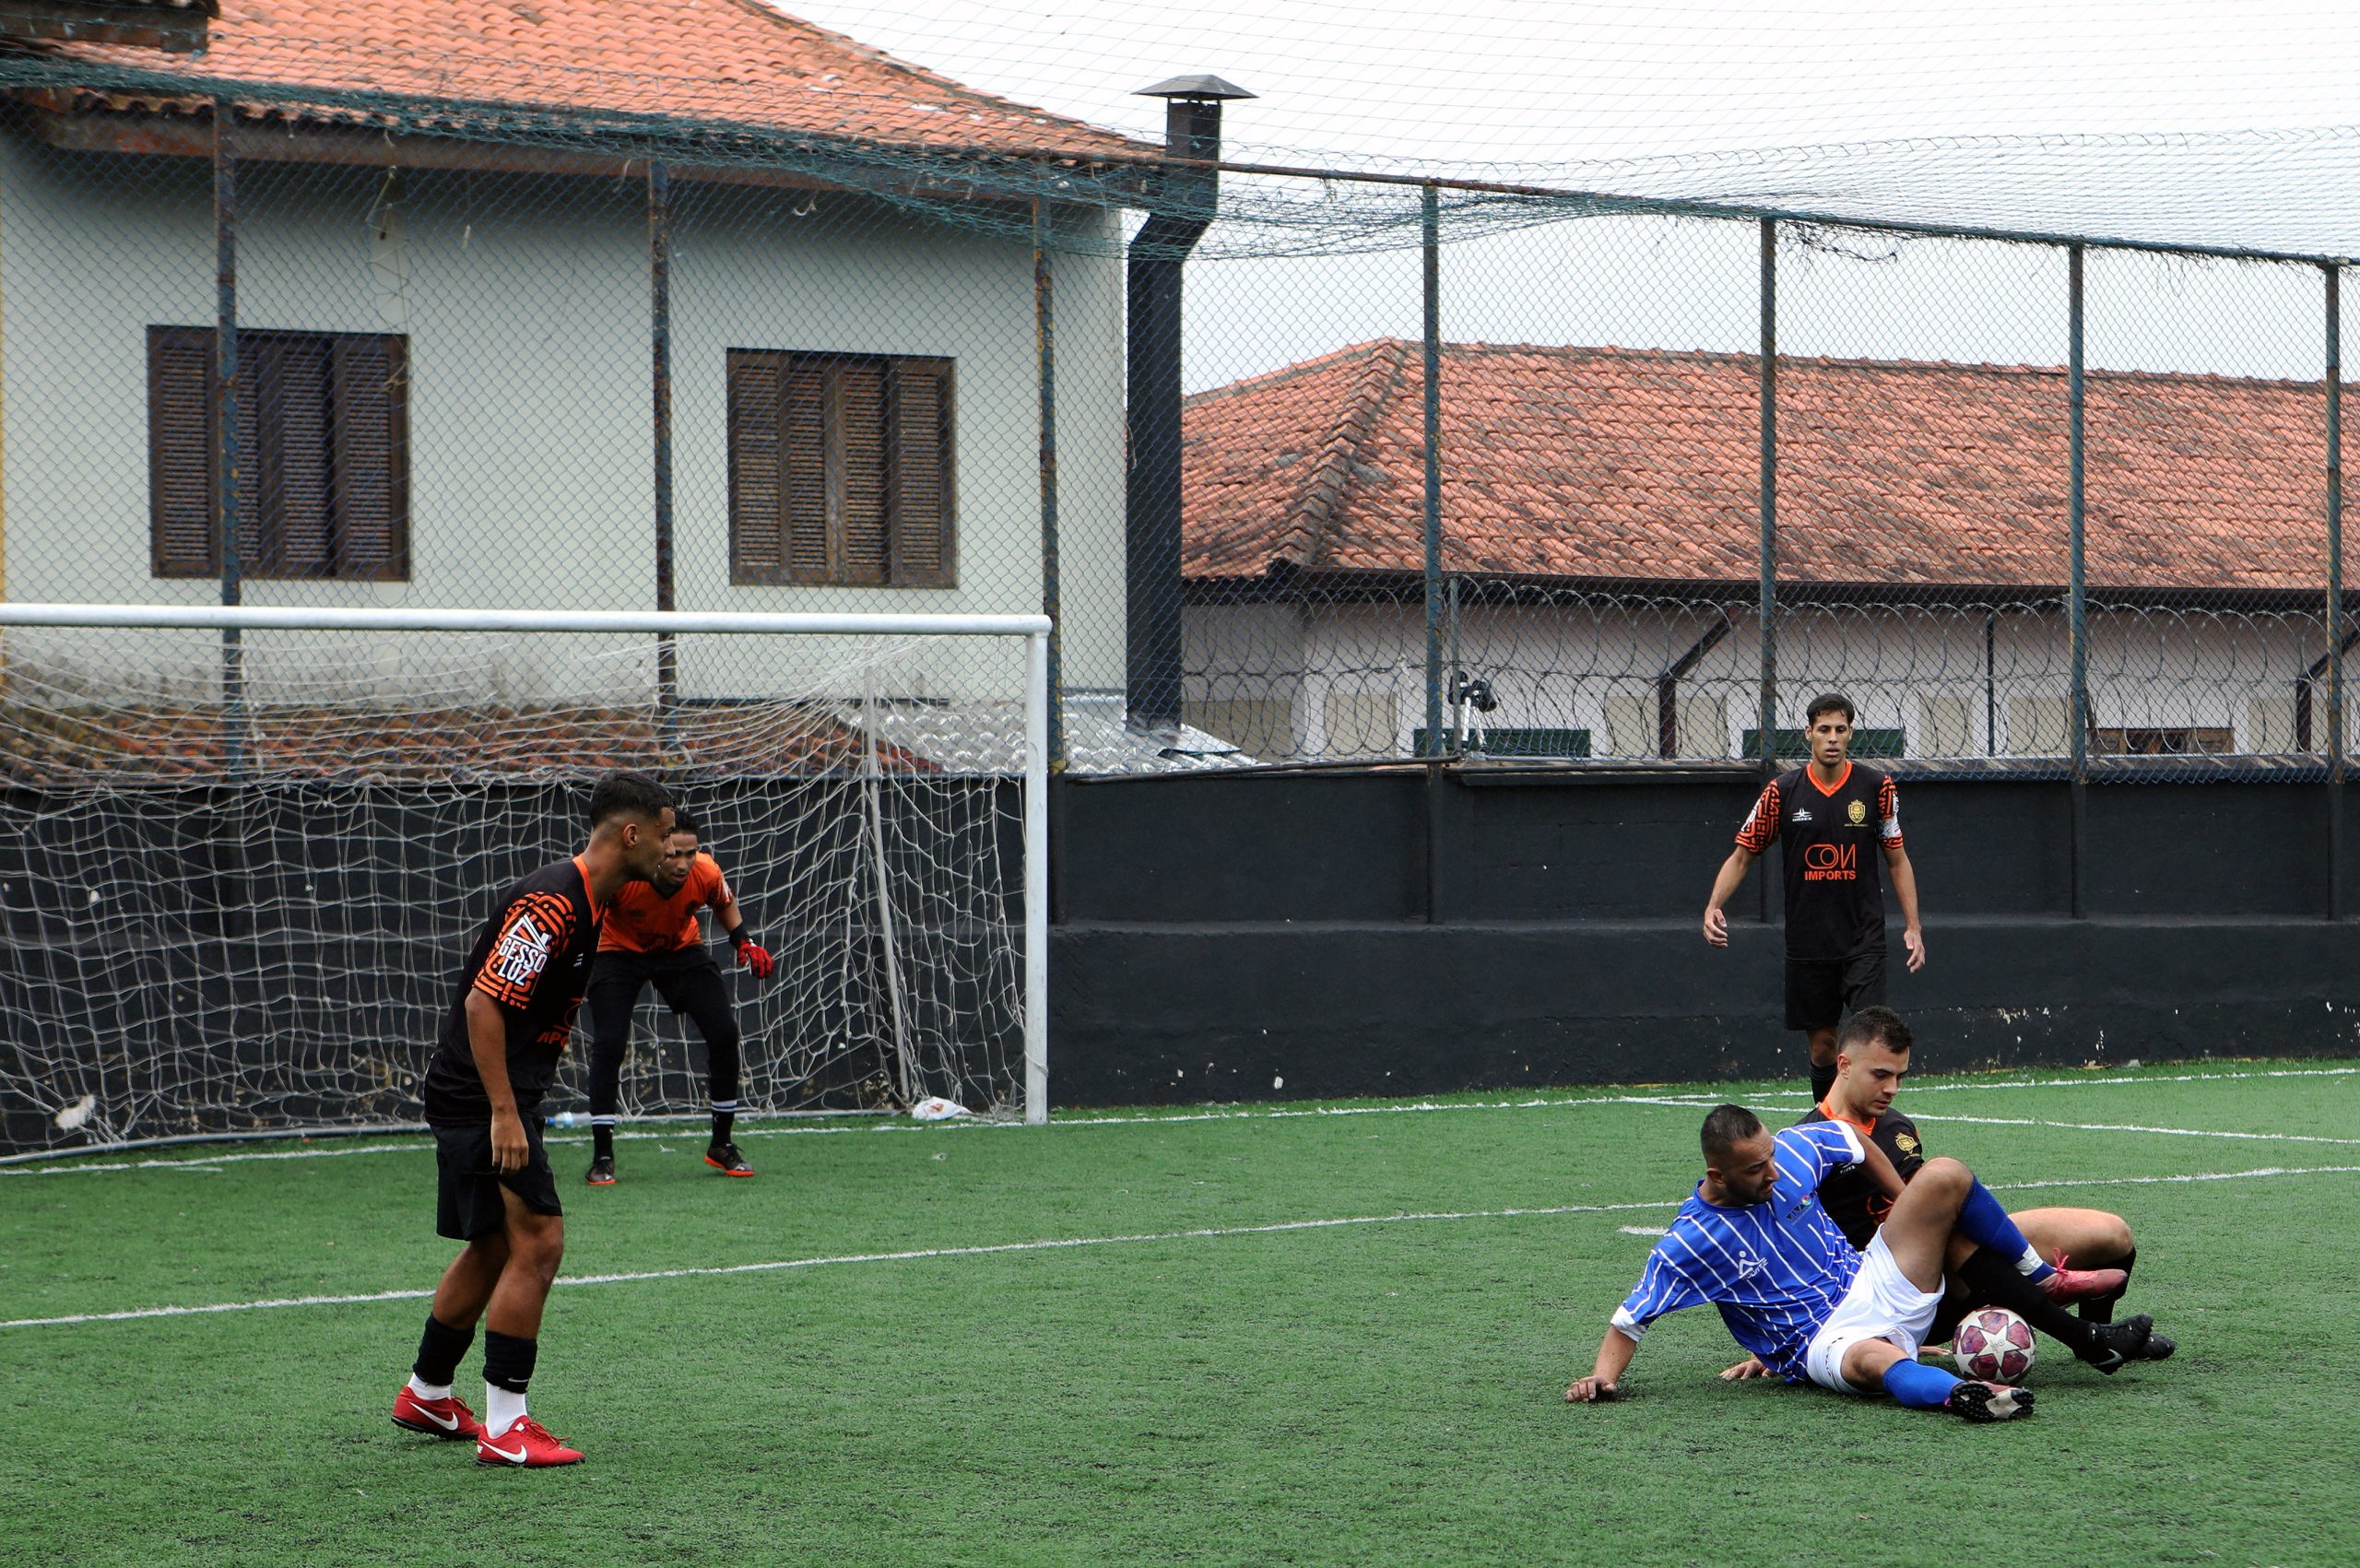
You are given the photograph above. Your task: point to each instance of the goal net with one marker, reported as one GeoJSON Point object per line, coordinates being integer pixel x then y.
{"type": "Point", "coordinates": [245, 851]}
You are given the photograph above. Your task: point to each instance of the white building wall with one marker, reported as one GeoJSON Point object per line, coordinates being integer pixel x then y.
{"type": "Point", "coordinates": [1929, 673]}
{"type": "Point", "coordinates": [525, 301]}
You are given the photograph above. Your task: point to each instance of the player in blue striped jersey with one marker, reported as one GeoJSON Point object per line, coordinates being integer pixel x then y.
{"type": "Point", "coordinates": [1754, 1241]}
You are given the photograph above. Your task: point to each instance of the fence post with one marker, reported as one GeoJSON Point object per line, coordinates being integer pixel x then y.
{"type": "Point", "coordinates": [2077, 607]}
{"type": "Point", "coordinates": [2335, 741]}
{"type": "Point", "coordinates": [1766, 709]}
{"type": "Point", "coordinates": [1431, 224]}
{"type": "Point", "coordinates": [225, 427]}
{"type": "Point", "coordinates": [1045, 348]}
{"type": "Point", "coordinates": [659, 278]}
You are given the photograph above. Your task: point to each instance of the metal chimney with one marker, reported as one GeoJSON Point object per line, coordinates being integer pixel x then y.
{"type": "Point", "coordinates": [1181, 205]}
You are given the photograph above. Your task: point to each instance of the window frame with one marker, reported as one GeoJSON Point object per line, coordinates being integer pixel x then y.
{"type": "Point", "coordinates": [265, 554]}
{"type": "Point", "coordinates": [786, 561]}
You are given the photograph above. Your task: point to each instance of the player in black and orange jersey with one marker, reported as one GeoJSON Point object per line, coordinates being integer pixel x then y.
{"type": "Point", "coordinates": [1873, 1058]}
{"type": "Point", "coordinates": [507, 1026]}
{"type": "Point", "coordinates": [1836, 818]}
{"type": "Point", "coordinates": [653, 938]}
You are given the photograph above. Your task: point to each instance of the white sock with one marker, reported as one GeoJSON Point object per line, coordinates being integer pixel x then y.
{"type": "Point", "coordinates": [427, 1390]}
{"type": "Point", "coordinates": [501, 1409]}
{"type": "Point", "coordinates": [2032, 1262]}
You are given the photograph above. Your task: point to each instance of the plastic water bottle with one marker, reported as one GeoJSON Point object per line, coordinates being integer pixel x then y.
{"type": "Point", "coordinates": [563, 1118]}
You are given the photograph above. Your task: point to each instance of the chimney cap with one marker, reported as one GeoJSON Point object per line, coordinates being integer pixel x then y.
{"type": "Point", "coordinates": [1207, 86]}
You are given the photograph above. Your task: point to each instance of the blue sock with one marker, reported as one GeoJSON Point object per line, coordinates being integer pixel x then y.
{"type": "Point", "coordinates": [1984, 1223]}
{"type": "Point", "coordinates": [1918, 1386]}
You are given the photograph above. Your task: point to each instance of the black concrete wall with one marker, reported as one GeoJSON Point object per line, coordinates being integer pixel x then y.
{"type": "Point", "coordinates": [1258, 935]}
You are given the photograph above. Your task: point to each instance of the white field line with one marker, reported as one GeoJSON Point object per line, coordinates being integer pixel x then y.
{"type": "Point", "coordinates": [208, 1162]}
{"type": "Point", "coordinates": [1070, 1243]}
{"type": "Point", "coordinates": [71, 1165]}
{"type": "Point", "coordinates": [1704, 1104]}
{"type": "Point", "coordinates": [1972, 1082]}
{"type": "Point", "coordinates": [1059, 1243]}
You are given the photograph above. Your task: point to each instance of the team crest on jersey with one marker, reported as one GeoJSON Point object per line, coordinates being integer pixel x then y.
{"type": "Point", "coordinates": [1907, 1144]}
{"type": "Point", "coordinates": [1748, 1266]}
{"type": "Point", "coordinates": [1857, 813]}
{"type": "Point", "coordinates": [523, 953]}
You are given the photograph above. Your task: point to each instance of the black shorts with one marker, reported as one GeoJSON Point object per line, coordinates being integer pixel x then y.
{"type": "Point", "coordinates": [1820, 993]}
{"type": "Point", "coordinates": [688, 979]}
{"type": "Point", "coordinates": [468, 1205]}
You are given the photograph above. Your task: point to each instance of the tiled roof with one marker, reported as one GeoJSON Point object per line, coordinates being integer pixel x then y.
{"type": "Point", "coordinates": [1611, 464]}
{"type": "Point", "coordinates": [739, 61]}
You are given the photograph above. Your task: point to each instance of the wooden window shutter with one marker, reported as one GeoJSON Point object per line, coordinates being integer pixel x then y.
{"type": "Point", "coordinates": [322, 455]}
{"type": "Point", "coordinates": [860, 515]}
{"type": "Point", "coordinates": [755, 528]}
{"type": "Point", "coordinates": [181, 540]}
{"type": "Point", "coordinates": [285, 448]}
{"type": "Point", "coordinates": [919, 468]}
{"type": "Point", "coordinates": [368, 458]}
{"type": "Point", "coordinates": [801, 430]}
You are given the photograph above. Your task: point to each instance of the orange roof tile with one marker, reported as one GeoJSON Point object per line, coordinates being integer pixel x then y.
{"type": "Point", "coordinates": [1615, 463]}
{"type": "Point", "coordinates": [738, 61]}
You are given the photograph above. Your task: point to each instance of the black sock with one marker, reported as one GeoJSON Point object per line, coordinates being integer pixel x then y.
{"type": "Point", "coordinates": [508, 1361]}
{"type": "Point", "coordinates": [2102, 1311]}
{"type": "Point", "coordinates": [1994, 1279]}
{"type": "Point", "coordinates": [722, 1123]}
{"type": "Point", "coordinates": [602, 1140]}
{"type": "Point", "coordinates": [1822, 1079]}
{"type": "Point", "coordinates": [439, 1350]}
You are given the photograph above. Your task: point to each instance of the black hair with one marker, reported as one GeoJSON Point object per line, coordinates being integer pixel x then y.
{"type": "Point", "coordinates": [682, 822]}
{"type": "Point", "coordinates": [1726, 1126]}
{"type": "Point", "coordinates": [1829, 702]}
{"type": "Point", "coordinates": [1874, 1026]}
{"type": "Point", "coordinates": [626, 794]}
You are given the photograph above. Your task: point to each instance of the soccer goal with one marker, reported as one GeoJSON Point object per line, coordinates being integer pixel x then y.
{"type": "Point", "coordinates": [246, 848]}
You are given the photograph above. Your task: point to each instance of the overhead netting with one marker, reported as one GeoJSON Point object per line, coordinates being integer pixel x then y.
{"type": "Point", "coordinates": [2189, 126]}
{"type": "Point", "coordinates": [241, 905]}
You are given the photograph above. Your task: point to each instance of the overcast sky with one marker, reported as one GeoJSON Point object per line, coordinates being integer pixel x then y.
{"type": "Point", "coordinates": [2237, 117]}
{"type": "Point", "coordinates": [1559, 81]}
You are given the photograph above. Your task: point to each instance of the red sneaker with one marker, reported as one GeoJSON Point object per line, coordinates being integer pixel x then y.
{"type": "Point", "coordinates": [437, 1418]}
{"type": "Point", "coordinates": [2069, 1285]}
{"type": "Point", "coordinates": [525, 1444]}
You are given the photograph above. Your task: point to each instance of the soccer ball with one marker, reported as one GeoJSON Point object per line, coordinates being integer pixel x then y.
{"type": "Point", "coordinates": [1993, 1345]}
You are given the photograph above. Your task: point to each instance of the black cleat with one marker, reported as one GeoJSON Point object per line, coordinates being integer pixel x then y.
{"type": "Point", "coordinates": [1989, 1402]}
{"type": "Point", "coordinates": [602, 1172]}
{"type": "Point", "coordinates": [2158, 1348]}
{"type": "Point", "coordinates": [725, 1158]}
{"type": "Point", "coordinates": [2113, 1344]}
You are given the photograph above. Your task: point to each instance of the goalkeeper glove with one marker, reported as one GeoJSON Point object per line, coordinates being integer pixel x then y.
{"type": "Point", "coordinates": [752, 954]}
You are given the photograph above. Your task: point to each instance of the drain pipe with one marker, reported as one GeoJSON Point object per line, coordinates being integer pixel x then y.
{"type": "Point", "coordinates": [1181, 209]}
{"type": "Point", "coordinates": [2306, 684]}
{"type": "Point", "coordinates": [1668, 685]}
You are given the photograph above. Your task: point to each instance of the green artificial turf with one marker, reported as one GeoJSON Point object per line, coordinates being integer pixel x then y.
{"type": "Point", "coordinates": [1362, 1393]}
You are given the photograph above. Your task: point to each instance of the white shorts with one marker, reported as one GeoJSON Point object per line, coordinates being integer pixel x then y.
{"type": "Point", "coordinates": [1881, 1304]}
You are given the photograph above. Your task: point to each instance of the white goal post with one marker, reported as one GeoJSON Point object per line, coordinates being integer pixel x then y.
{"type": "Point", "coordinates": [873, 756]}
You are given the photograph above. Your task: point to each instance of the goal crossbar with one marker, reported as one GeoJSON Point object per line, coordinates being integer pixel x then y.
{"type": "Point", "coordinates": [250, 618]}
{"type": "Point", "coordinates": [1033, 628]}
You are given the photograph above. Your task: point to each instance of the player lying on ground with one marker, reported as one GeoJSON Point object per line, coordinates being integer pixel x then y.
{"type": "Point", "coordinates": [1754, 1241]}
{"type": "Point", "coordinates": [1873, 1058]}
{"type": "Point", "coordinates": [500, 1046]}
{"type": "Point", "coordinates": [653, 938]}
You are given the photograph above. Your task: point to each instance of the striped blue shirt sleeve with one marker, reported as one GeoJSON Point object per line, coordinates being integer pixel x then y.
{"type": "Point", "coordinates": [1821, 1149]}
{"type": "Point", "coordinates": [1664, 1286]}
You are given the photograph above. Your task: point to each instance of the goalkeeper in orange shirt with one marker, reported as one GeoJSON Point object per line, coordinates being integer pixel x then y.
{"type": "Point", "coordinates": [652, 935]}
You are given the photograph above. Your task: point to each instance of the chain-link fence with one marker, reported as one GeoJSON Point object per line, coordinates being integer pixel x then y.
{"type": "Point", "coordinates": [1310, 465]}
